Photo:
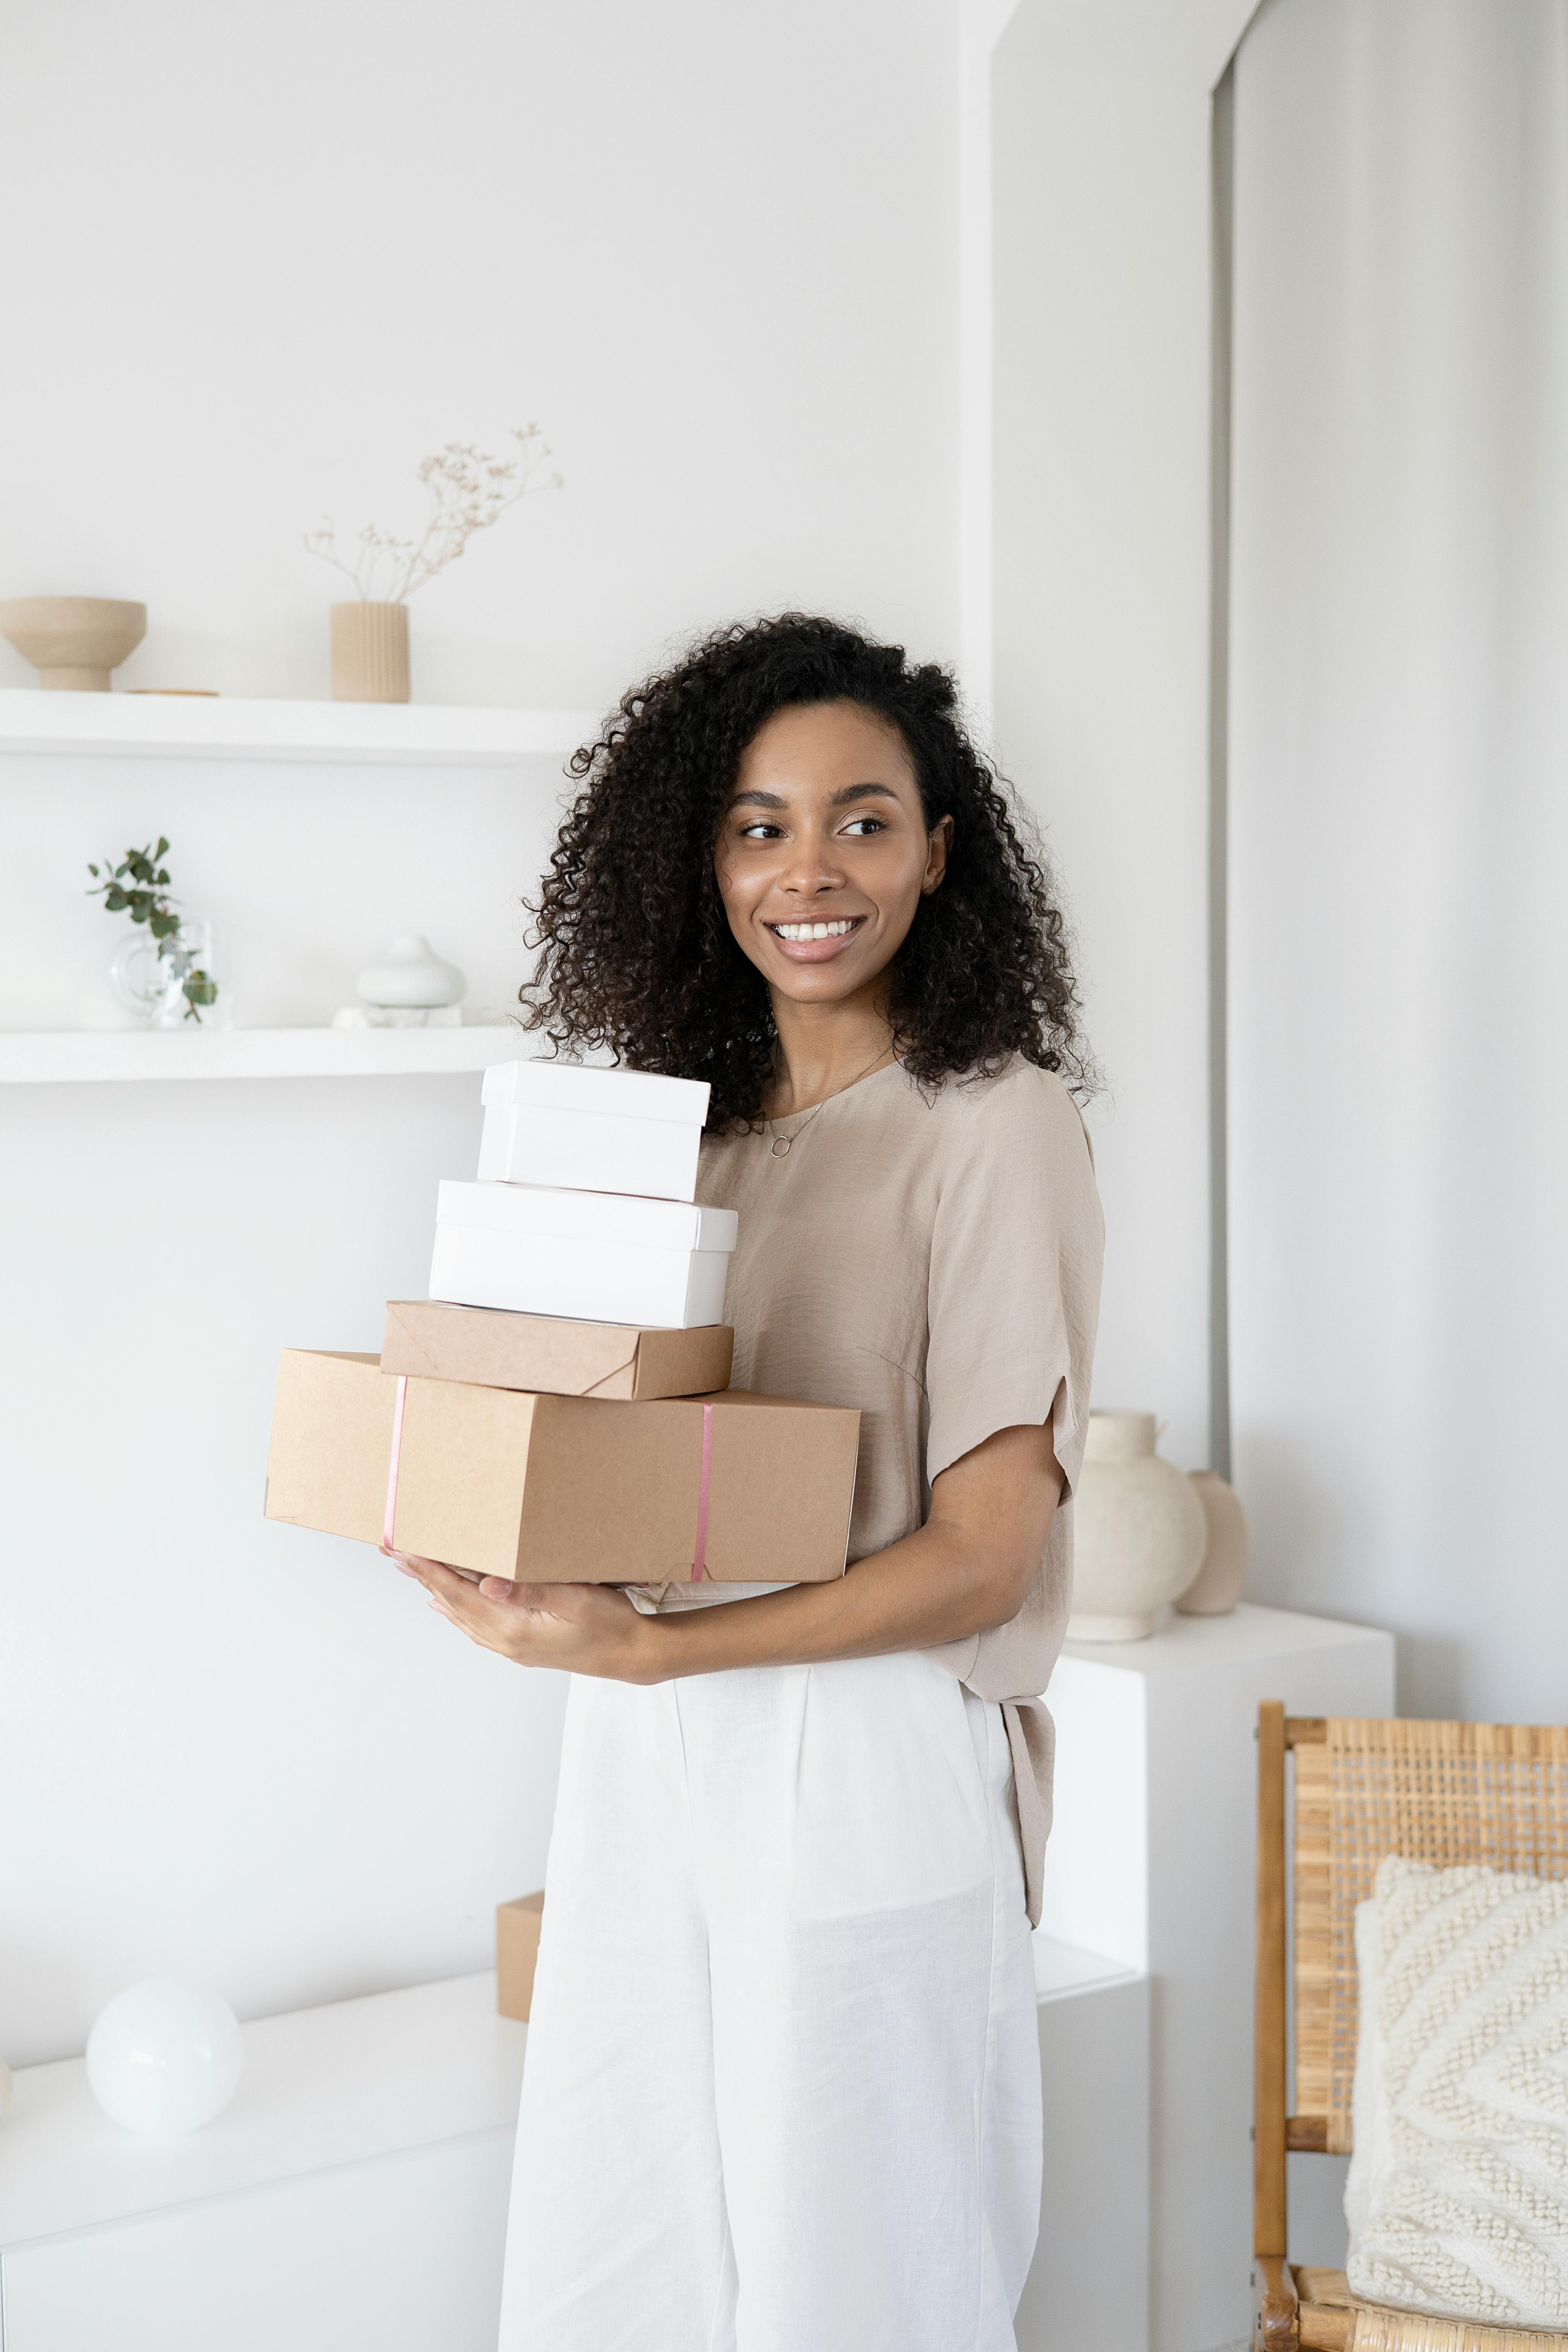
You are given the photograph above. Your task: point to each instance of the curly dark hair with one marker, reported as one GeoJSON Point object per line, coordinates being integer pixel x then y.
{"type": "Point", "coordinates": [635, 949]}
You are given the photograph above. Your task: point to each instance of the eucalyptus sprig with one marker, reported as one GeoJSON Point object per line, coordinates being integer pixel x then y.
{"type": "Point", "coordinates": [142, 895]}
{"type": "Point", "coordinates": [139, 886]}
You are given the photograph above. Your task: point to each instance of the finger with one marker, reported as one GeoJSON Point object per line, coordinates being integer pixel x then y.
{"type": "Point", "coordinates": [438, 1576]}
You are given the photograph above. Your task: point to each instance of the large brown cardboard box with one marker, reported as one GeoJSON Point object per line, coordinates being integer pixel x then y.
{"type": "Point", "coordinates": [574, 1490]}
{"type": "Point", "coordinates": [517, 1953]}
{"type": "Point", "coordinates": [502, 1351]}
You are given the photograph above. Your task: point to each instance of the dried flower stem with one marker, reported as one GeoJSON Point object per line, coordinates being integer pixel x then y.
{"type": "Point", "coordinates": [466, 491]}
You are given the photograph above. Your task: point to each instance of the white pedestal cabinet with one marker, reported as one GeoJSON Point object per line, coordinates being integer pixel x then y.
{"type": "Point", "coordinates": [1151, 1863]}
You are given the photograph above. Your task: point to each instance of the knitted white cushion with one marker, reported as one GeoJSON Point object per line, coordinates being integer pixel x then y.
{"type": "Point", "coordinates": [1457, 2192]}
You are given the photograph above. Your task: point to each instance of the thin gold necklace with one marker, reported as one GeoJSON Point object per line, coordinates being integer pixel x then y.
{"type": "Point", "coordinates": [779, 1148]}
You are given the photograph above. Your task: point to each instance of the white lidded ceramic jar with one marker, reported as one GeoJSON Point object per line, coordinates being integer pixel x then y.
{"type": "Point", "coordinates": [1139, 1531]}
{"type": "Point", "coordinates": [412, 977]}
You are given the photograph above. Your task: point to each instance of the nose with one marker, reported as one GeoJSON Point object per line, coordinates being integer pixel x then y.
{"type": "Point", "coordinates": [812, 868]}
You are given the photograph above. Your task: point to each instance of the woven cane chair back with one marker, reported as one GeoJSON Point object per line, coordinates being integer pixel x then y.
{"type": "Point", "coordinates": [1440, 1792]}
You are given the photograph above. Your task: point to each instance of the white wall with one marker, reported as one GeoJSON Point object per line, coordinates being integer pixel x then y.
{"type": "Point", "coordinates": [271, 257]}
{"type": "Point", "coordinates": [1399, 835]}
{"type": "Point", "coordinates": [1101, 131]}
{"type": "Point", "coordinates": [270, 260]}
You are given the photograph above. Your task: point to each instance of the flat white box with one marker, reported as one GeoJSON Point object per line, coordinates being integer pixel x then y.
{"type": "Point", "coordinates": [551, 1123]}
{"type": "Point", "coordinates": [597, 1257]}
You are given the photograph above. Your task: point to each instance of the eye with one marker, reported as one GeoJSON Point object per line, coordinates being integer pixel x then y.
{"type": "Point", "coordinates": [761, 831]}
{"type": "Point", "coordinates": [866, 826]}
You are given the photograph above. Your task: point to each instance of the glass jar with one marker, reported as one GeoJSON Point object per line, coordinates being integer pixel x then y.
{"type": "Point", "coordinates": [173, 982]}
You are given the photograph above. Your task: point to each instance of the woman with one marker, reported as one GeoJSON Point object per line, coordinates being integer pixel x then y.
{"type": "Point", "coordinates": [783, 2090]}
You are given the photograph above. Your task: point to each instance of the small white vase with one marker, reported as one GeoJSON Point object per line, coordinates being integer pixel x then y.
{"type": "Point", "coordinates": [1139, 1531]}
{"type": "Point", "coordinates": [1217, 1586]}
{"type": "Point", "coordinates": [411, 977]}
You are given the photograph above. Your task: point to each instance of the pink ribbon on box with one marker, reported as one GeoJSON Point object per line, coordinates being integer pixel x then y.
{"type": "Point", "coordinates": [386, 1525]}
{"type": "Point", "coordinates": [699, 1549]}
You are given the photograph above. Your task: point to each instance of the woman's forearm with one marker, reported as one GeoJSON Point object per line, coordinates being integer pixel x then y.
{"type": "Point", "coordinates": [915, 1594]}
{"type": "Point", "coordinates": [965, 1570]}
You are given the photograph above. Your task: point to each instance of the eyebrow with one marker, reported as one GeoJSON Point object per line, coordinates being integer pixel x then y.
{"type": "Point", "coordinates": [841, 799]}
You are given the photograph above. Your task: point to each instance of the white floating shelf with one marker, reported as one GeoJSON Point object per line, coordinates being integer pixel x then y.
{"type": "Point", "coordinates": [43, 1055]}
{"type": "Point", "coordinates": [220, 726]}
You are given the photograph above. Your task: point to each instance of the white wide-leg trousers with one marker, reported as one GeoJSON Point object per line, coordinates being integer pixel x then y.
{"type": "Point", "coordinates": [782, 2091]}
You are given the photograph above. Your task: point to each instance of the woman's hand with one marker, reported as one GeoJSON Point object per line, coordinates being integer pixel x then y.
{"type": "Point", "coordinates": [583, 1629]}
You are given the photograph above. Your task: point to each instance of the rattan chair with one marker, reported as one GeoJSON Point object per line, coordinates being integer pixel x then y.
{"type": "Point", "coordinates": [1438, 1793]}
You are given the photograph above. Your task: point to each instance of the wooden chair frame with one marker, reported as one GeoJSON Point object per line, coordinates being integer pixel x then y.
{"type": "Point", "coordinates": [1440, 1792]}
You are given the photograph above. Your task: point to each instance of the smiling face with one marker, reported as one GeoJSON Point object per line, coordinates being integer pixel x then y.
{"type": "Point", "coordinates": [822, 855]}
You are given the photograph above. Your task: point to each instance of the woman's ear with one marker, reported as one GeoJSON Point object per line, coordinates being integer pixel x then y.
{"type": "Point", "coordinates": [936, 847]}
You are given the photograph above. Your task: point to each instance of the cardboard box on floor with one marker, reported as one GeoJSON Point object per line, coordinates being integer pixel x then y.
{"type": "Point", "coordinates": [502, 1351]}
{"type": "Point", "coordinates": [565, 1489]}
{"type": "Point", "coordinates": [517, 1953]}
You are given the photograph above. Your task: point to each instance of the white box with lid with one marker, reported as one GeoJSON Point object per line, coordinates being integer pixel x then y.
{"type": "Point", "coordinates": [597, 1257]}
{"type": "Point", "coordinates": [557, 1124]}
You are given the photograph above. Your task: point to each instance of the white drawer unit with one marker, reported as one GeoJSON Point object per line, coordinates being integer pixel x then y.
{"type": "Point", "coordinates": [597, 1257]}
{"type": "Point", "coordinates": [350, 2199]}
{"type": "Point", "coordinates": [551, 1123]}
{"type": "Point", "coordinates": [353, 2197]}
{"type": "Point", "coordinates": [400, 2256]}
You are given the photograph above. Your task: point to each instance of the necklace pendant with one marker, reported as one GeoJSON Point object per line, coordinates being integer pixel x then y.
{"type": "Point", "coordinates": [779, 1148]}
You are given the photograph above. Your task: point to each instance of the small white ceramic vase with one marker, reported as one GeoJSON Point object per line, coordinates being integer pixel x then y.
{"type": "Point", "coordinates": [1217, 1585]}
{"type": "Point", "coordinates": [370, 653]}
{"type": "Point", "coordinates": [1139, 1531]}
{"type": "Point", "coordinates": [411, 978]}
{"type": "Point", "coordinates": [74, 641]}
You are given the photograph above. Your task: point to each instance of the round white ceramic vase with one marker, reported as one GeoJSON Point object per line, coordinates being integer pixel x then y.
{"type": "Point", "coordinates": [411, 977]}
{"type": "Point", "coordinates": [1139, 1531]}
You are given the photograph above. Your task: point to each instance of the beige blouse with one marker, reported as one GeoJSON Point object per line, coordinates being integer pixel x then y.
{"type": "Point", "coordinates": [934, 1260]}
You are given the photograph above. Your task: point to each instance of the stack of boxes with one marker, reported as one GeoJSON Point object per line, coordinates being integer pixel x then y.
{"type": "Point", "coordinates": [557, 1410]}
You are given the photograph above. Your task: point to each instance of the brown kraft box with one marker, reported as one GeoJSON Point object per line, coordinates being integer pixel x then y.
{"type": "Point", "coordinates": [517, 1953]}
{"type": "Point", "coordinates": [565, 1489]}
{"type": "Point", "coordinates": [500, 1350]}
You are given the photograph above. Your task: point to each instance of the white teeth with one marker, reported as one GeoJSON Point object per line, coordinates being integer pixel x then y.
{"type": "Point", "coordinates": [813, 930]}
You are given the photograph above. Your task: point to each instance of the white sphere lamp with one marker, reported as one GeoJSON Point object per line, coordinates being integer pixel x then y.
{"type": "Point", "coordinates": [164, 2057]}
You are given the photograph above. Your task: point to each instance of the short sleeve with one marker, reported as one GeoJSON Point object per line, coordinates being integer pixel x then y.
{"type": "Point", "coordinates": [1016, 1258]}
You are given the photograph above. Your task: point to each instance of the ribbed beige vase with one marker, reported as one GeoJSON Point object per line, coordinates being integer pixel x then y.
{"type": "Point", "coordinates": [370, 653]}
